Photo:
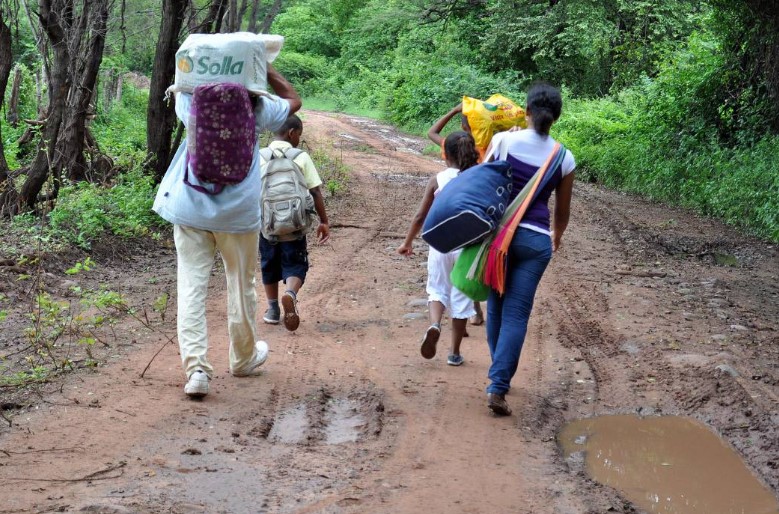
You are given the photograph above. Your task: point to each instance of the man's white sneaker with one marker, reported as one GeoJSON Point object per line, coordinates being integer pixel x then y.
{"type": "Point", "coordinates": [197, 385]}
{"type": "Point", "coordinates": [252, 368]}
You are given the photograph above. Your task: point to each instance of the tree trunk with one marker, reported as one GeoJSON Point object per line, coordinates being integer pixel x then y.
{"type": "Point", "coordinates": [242, 13]}
{"type": "Point", "coordinates": [77, 108]}
{"type": "Point", "coordinates": [39, 92]}
{"type": "Point", "coordinates": [161, 115]}
{"type": "Point", "coordinates": [118, 90]}
{"type": "Point", "coordinates": [192, 17]}
{"type": "Point", "coordinates": [8, 205]}
{"type": "Point", "coordinates": [52, 21]}
{"type": "Point", "coordinates": [76, 35]}
{"type": "Point", "coordinates": [253, 16]}
{"type": "Point", "coordinates": [232, 17]}
{"type": "Point", "coordinates": [12, 114]}
{"type": "Point", "coordinates": [212, 21]}
{"type": "Point", "coordinates": [220, 16]}
{"type": "Point", "coordinates": [270, 16]}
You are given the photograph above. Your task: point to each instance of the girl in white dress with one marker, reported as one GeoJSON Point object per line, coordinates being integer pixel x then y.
{"type": "Point", "coordinates": [461, 154]}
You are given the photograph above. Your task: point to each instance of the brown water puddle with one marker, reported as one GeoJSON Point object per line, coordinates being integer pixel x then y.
{"type": "Point", "coordinates": [667, 464]}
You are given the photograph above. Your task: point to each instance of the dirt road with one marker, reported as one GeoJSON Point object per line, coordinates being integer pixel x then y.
{"type": "Point", "coordinates": [645, 310]}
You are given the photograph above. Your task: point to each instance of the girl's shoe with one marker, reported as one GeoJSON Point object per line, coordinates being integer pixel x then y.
{"type": "Point", "coordinates": [455, 360]}
{"type": "Point", "coordinates": [430, 341]}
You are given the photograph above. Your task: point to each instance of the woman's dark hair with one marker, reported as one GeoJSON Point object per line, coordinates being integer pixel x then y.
{"type": "Point", "coordinates": [544, 104]}
{"type": "Point", "coordinates": [460, 149]}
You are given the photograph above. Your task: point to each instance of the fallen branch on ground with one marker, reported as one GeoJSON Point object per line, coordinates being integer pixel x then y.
{"type": "Point", "coordinates": [170, 340]}
{"type": "Point", "coordinates": [11, 452]}
{"type": "Point", "coordinates": [97, 475]}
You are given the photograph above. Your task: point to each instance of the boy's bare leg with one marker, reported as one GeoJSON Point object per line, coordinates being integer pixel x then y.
{"type": "Point", "coordinates": [294, 284]}
{"type": "Point", "coordinates": [272, 314]}
{"type": "Point", "coordinates": [271, 291]}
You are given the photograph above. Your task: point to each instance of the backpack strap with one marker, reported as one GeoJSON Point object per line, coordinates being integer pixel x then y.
{"type": "Point", "coordinates": [292, 153]}
{"type": "Point", "coordinates": [267, 154]}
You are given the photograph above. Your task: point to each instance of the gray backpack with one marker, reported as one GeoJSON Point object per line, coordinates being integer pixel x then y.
{"type": "Point", "coordinates": [287, 205]}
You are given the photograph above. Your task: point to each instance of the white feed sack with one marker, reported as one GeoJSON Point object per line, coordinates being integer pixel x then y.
{"type": "Point", "coordinates": [239, 57]}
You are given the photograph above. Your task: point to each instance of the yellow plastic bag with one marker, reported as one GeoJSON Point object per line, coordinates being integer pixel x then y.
{"type": "Point", "coordinates": [495, 114]}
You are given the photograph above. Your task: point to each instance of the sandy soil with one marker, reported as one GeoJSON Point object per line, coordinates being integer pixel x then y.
{"type": "Point", "coordinates": [645, 309]}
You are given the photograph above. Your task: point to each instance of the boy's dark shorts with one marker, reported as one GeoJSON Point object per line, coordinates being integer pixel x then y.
{"type": "Point", "coordinates": [279, 261]}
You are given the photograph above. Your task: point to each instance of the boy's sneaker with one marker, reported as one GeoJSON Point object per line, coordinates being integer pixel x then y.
{"type": "Point", "coordinates": [260, 357]}
{"type": "Point", "coordinates": [197, 385]}
{"type": "Point", "coordinates": [455, 359]}
{"type": "Point", "coordinates": [430, 341]}
{"type": "Point", "coordinates": [272, 316]}
{"type": "Point", "coordinates": [289, 303]}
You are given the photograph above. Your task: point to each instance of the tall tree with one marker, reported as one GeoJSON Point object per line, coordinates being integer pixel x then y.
{"type": "Point", "coordinates": [160, 114]}
{"type": "Point", "coordinates": [254, 16]}
{"type": "Point", "coordinates": [750, 33]}
{"type": "Point", "coordinates": [76, 32]}
{"type": "Point", "coordinates": [274, 11]}
{"type": "Point", "coordinates": [7, 190]}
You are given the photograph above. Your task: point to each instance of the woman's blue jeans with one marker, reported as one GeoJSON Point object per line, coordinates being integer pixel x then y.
{"type": "Point", "coordinates": [507, 315]}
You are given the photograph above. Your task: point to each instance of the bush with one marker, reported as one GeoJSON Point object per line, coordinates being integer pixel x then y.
{"type": "Point", "coordinates": [85, 211]}
{"type": "Point", "coordinates": [306, 71]}
{"type": "Point", "coordinates": [121, 130]}
{"type": "Point", "coordinates": [623, 143]}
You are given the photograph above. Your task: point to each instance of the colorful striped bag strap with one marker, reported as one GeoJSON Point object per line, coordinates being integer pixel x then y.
{"type": "Point", "coordinates": [496, 261]}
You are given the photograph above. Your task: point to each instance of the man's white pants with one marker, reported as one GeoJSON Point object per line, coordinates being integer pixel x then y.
{"type": "Point", "coordinates": [195, 250]}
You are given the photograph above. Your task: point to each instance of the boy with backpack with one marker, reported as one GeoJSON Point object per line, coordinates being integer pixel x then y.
{"type": "Point", "coordinates": [291, 194]}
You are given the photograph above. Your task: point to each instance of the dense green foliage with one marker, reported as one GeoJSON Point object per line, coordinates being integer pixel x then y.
{"type": "Point", "coordinates": [86, 211]}
{"type": "Point", "coordinates": [656, 97]}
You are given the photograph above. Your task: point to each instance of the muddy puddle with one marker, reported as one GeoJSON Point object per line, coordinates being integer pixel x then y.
{"type": "Point", "coordinates": [666, 464]}
{"type": "Point", "coordinates": [345, 422]}
{"type": "Point", "coordinates": [322, 419]}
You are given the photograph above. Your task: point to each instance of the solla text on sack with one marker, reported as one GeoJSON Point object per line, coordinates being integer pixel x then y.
{"type": "Point", "coordinates": [226, 67]}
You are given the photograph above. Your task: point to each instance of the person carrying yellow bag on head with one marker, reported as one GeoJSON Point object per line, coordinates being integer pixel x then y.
{"type": "Point", "coordinates": [488, 117]}
{"type": "Point", "coordinates": [482, 119]}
